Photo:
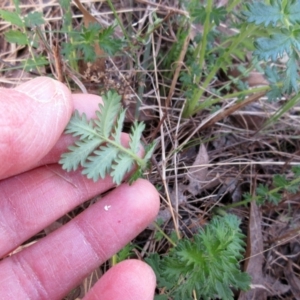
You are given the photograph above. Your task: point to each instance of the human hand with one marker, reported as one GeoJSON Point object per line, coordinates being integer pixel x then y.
{"type": "Point", "coordinates": [35, 191]}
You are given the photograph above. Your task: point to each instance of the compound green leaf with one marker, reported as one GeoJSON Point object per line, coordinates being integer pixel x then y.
{"type": "Point", "coordinates": [12, 17]}
{"type": "Point", "coordinates": [293, 188]}
{"type": "Point", "coordinates": [280, 181]}
{"type": "Point", "coordinates": [107, 42]}
{"type": "Point", "coordinates": [31, 64]}
{"type": "Point", "coordinates": [123, 164]}
{"type": "Point", "coordinates": [292, 11]}
{"type": "Point", "coordinates": [34, 19]}
{"type": "Point", "coordinates": [98, 165]}
{"type": "Point", "coordinates": [208, 264]}
{"type": "Point", "coordinates": [135, 136]}
{"type": "Point", "coordinates": [274, 47]}
{"type": "Point", "coordinates": [274, 198]}
{"type": "Point", "coordinates": [81, 127]}
{"type": "Point", "coordinates": [261, 13]}
{"type": "Point", "coordinates": [292, 76]}
{"type": "Point", "coordinates": [296, 171]}
{"type": "Point", "coordinates": [99, 150]}
{"type": "Point", "coordinates": [16, 36]}
{"type": "Point", "coordinates": [78, 153]}
{"type": "Point", "coordinates": [108, 113]}
{"type": "Point", "coordinates": [119, 126]}
{"type": "Point", "coordinates": [262, 190]}
{"type": "Point", "coordinates": [149, 151]}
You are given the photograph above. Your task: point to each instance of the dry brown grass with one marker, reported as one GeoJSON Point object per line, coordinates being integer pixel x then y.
{"type": "Point", "coordinates": [237, 153]}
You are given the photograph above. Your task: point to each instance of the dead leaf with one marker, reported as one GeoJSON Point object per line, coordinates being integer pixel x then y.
{"type": "Point", "coordinates": [262, 286]}
{"type": "Point", "coordinates": [253, 265]}
{"type": "Point", "coordinates": [197, 173]}
{"type": "Point", "coordinates": [251, 117]}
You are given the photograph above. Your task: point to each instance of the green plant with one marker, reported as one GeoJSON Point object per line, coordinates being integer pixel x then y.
{"type": "Point", "coordinates": [206, 266]}
{"type": "Point", "coordinates": [67, 27]}
{"type": "Point", "coordinates": [79, 42]}
{"type": "Point", "coordinates": [213, 52]}
{"type": "Point", "coordinates": [280, 20]}
{"type": "Point", "coordinates": [268, 29]}
{"type": "Point", "coordinates": [24, 34]}
{"type": "Point", "coordinates": [125, 253]}
{"type": "Point", "coordinates": [85, 38]}
{"type": "Point", "coordinates": [99, 150]}
{"type": "Point", "coordinates": [273, 196]}
{"type": "Point", "coordinates": [263, 194]}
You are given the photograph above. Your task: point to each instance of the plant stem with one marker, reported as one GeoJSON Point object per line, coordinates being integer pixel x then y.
{"type": "Point", "coordinates": [165, 235]}
{"type": "Point", "coordinates": [114, 260]}
{"type": "Point", "coordinates": [142, 78]}
{"type": "Point", "coordinates": [192, 105]}
{"type": "Point", "coordinates": [255, 198]}
{"type": "Point", "coordinates": [67, 29]}
{"type": "Point", "coordinates": [232, 5]}
{"type": "Point", "coordinates": [124, 31]}
{"type": "Point", "coordinates": [201, 47]}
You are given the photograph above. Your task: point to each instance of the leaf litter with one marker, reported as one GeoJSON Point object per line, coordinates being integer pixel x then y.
{"type": "Point", "coordinates": [225, 156]}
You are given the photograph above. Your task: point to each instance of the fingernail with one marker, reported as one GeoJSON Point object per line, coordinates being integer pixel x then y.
{"type": "Point", "coordinates": [41, 89]}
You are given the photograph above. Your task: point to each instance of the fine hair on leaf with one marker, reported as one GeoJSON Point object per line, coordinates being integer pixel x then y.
{"type": "Point", "coordinates": [98, 150]}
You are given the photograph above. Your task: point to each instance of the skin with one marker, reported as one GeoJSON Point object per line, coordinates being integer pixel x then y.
{"type": "Point", "coordinates": [35, 191]}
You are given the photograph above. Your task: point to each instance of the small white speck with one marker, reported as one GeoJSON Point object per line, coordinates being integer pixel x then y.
{"type": "Point", "coordinates": [107, 207]}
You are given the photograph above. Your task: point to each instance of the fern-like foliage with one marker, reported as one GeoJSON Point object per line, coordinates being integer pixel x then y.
{"type": "Point", "coordinates": [281, 184]}
{"type": "Point", "coordinates": [281, 20]}
{"type": "Point", "coordinates": [98, 149]}
{"type": "Point", "coordinates": [86, 37]}
{"type": "Point", "coordinates": [207, 265]}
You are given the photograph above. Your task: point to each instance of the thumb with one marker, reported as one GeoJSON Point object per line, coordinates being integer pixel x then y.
{"type": "Point", "coordinates": [32, 118]}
